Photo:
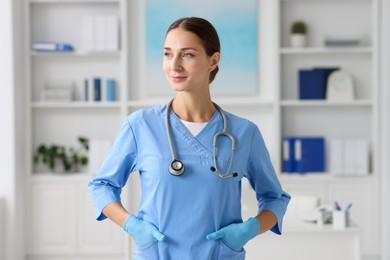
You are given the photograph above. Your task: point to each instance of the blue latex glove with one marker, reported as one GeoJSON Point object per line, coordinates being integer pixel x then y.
{"type": "Point", "coordinates": [142, 232]}
{"type": "Point", "coordinates": [238, 234]}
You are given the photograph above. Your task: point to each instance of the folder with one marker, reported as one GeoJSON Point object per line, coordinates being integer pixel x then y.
{"type": "Point", "coordinates": [309, 154]}
{"type": "Point", "coordinates": [288, 155]}
{"type": "Point", "coordinates": [312, 82]}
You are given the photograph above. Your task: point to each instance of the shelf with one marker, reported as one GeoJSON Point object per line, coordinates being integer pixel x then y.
{"type": "Point", "coordinates": [222, 101]}
{"type": "Point", "coordinates": [327, 50]}
{"type": "Point", "coordinates": [74, 54]}
{"type": "Point", "coordinates": [325, 103]}
{"type": "Point", "coordinates": [73, 1]}
{"type": "Point", "coordinates": [71, 176]}
{"type": "Point", "coordinates": [76, 104]}
{"type": "Point", "coordinates": [323, 177]}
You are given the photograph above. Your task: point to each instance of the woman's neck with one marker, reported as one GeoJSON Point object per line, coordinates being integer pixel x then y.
{"type": "Point", "coordinates": [192, 108]}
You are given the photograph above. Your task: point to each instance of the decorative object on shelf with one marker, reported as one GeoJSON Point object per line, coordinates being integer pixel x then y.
{"type": "Point", "coordinates": [313, 82]}
{"type": "Point", "coordinates": [303, 154]}
{"type": "Point", "coordinates": [100, 33]}
{"type": "Point", "coordinates": [52, 47]}
{"type": "Point", "coordinates": [58, 158]}
{"type": "Point", "coordinates": [342, 42]}
{"type": "Point", "coordinates": [57, 92]}
{"type": "Point", "coordinates": [340, 86]}
{"type": "Point", "coordinates": [298, 38]}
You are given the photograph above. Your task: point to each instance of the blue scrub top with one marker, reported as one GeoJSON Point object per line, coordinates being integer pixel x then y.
{"type": "Point", "coordinates": [188, 207]}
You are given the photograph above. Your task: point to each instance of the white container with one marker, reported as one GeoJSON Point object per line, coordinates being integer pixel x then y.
{"type": "Point", "coordinates": [298, 40]}
{"type": "Point", "coordinates": [340, 219]}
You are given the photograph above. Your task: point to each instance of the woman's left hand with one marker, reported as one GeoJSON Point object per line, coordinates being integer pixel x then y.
{"type": "Point", "coordinates": [238, 234]}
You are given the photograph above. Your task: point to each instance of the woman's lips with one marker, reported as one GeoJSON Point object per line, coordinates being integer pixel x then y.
{"type": "Point", "coordinates": [178, 78]}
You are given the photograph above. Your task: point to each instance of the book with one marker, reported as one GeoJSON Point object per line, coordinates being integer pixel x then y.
{"type": "Point", "coordinates": [52, 46]}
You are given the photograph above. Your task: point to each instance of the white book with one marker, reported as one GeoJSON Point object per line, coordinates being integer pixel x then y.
{"type": "Point", "coordinates": [88, 32]}
{"type": "Point", "coordinates": [349, 157]}
{"type": "Point", "coordinates": [362, 157]}
{"type": "Point", "coordinates": [103, 90]}
{"type": "Point", "coordinates": [336, 157]}
{"type": "Point", "coordinates": [100, 33]}
{"type": "Point", "coordinates": [112, 33]}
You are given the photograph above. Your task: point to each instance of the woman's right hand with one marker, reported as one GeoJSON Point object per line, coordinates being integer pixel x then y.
{"type": "Point", "coordinates": [142, 232]}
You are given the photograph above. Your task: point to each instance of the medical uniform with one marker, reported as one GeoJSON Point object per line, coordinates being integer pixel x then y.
{"type": "Point", "coordinates": [188, 207]}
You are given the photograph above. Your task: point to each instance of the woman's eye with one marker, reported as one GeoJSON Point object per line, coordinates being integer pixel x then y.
{"type": "Point", "coordinates": [187, 54]}
{"type": "Point", "coordinates": [167, 54]}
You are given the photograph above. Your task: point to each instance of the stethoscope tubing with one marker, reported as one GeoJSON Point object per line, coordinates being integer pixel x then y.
{"type": "Point", "coordinates": [177, 171]}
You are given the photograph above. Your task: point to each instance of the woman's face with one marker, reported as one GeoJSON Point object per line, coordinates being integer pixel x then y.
{"type": "Point", "coordinates": [186, 64]}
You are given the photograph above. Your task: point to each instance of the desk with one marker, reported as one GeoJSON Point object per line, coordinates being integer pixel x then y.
{"type": "Point", "coordinates": [306, 241]}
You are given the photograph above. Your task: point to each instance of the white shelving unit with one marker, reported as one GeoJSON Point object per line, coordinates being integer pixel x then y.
{"type": "Point", "coordinates": [61, 216]}
{"type": "Point", "coordinates": [331, 119]}
{"type": "Point", "coordinates": [276, 109]}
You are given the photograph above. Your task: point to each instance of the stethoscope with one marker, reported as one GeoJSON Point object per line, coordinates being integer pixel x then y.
{"type": "Point", "coordinates": [177, 167]}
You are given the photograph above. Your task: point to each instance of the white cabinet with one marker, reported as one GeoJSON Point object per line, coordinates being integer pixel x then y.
{"type": "Point", "coordinates": [61, 222]}
{"type": "Point", "coordinates": [305, 243]}
{"type": "Point", "coordinates": [53, 219]}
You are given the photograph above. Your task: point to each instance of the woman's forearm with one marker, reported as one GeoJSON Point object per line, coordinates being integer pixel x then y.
{"type": "Point", "coordinates": [116, 212]}
{"type": "Point", "coordinates": [267, 220]}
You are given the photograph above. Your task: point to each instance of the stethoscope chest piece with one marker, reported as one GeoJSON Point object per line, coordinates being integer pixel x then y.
{"type": "Point", "coordinates": [176, 168]}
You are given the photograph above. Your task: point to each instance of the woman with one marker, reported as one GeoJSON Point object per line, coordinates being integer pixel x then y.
{"type": "Point", "coordinates": [191, 191]}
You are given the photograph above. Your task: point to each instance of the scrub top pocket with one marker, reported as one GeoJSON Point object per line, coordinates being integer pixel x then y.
{"type": "Point", "coordinates": [146, 251]}
{"type": "Point", "coordinates": [226, 253]}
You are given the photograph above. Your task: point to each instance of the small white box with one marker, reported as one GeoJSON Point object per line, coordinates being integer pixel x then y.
{"type": "Point", "coordinates": [61, 93]}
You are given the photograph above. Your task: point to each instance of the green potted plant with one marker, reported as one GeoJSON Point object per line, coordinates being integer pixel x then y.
{"type": "Point", "coordinates": [58, 158]}
{"type": "Point", "coordinates": [298, 34]}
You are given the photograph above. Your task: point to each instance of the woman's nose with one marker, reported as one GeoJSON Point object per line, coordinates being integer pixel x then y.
{"type": "Point", "coordinates": [176, 64]}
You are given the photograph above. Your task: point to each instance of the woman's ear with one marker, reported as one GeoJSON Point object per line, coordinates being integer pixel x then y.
{"type": "Point", "coordinates": [214, 60]}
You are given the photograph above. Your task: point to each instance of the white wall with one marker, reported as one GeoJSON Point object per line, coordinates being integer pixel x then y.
{"type": "Point", "coordinates": [11, 118]}
{"type": "Point", "coordinates": [385, 119]}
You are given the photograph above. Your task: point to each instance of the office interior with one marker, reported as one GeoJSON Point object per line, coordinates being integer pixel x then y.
{"type": "Point", "coordinates": [45, 214]}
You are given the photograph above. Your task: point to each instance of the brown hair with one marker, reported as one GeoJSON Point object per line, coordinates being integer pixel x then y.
{"type": "Point", "coordinates": [206, 33]}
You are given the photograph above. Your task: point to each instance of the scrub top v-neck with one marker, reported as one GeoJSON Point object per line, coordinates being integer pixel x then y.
{"type": "Point", "coordinates": [188, 207]}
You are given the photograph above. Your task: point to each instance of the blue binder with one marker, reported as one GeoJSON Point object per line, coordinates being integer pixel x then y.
{"type": "Point", "coordinates": [288, 155]}
{"type": "Point", "coordinates": [312, 82]}
{"type": "Point", "coordinates": [309, 154]}
{"type": "Point", "coordinates": [97, 89]}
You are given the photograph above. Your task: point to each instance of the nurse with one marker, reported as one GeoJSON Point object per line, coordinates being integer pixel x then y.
{"type": "Point", "coordinates": [191, 191]}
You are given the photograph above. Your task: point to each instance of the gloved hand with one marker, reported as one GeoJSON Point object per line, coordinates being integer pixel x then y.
{"type": "Point", "coordinates": [238, 234]}
{"type": "Point", "coordinates": [142, 232]}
